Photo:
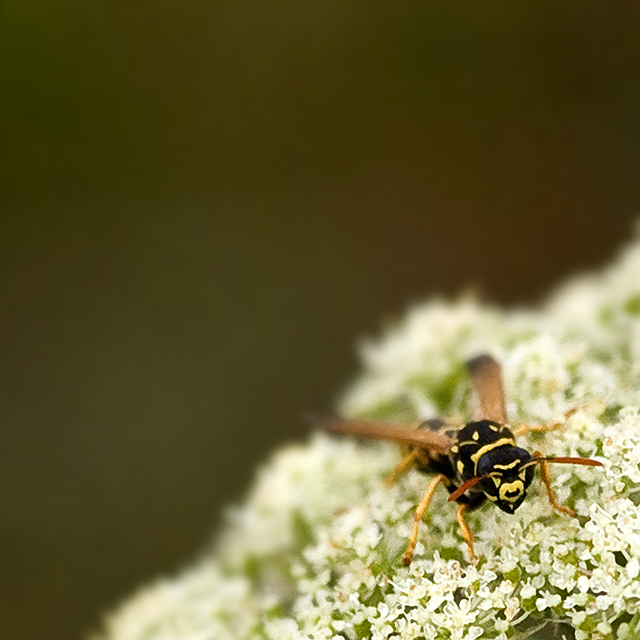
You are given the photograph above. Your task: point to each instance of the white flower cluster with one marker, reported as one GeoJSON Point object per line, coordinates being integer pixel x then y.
{"type": "Point", "coordinates": [315, 553]}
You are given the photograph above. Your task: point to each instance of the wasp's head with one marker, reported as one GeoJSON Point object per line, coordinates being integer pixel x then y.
{"type": "Point", "coordinates": [506, 476]}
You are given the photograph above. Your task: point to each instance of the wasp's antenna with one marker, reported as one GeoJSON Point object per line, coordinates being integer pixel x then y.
{"type": "Point", "coordinates": [465, 486]}
{"type": "Point", "coordinates": [587, 462]}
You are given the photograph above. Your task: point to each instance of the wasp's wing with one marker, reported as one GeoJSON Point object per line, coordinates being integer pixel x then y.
{"type": "Point", "coordinates": [400, 433]}
{"type": "Point", "coordinates": [486, 377]}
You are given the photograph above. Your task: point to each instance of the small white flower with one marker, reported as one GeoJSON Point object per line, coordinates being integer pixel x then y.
{"type": "Point", "coordinates": [501, 625]}
{"type": "Point", "coordinates": [548, 600]}
{"type": "Point", "coordinates": [527, 591]}
{"type": "Point", "coordinates": [513, 606]}
{"type": "Point", "coordinates": [578, 617]}
{"type": "Point", "coordinates": [474, 632]}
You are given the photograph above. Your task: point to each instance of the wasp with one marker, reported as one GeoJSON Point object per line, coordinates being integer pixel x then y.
{"type": "Point", "coordinates": [477, 462]}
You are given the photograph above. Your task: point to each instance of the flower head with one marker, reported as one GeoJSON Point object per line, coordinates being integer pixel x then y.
{"type": "Point", "coordinates": [315, 551]}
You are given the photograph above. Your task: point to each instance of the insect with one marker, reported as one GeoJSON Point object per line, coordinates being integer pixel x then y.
{"type": "Point", "coordinates": [475, 463]}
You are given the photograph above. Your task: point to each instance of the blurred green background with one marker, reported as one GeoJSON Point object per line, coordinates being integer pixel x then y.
{"type": "Point", "coordinates": [204, 204]}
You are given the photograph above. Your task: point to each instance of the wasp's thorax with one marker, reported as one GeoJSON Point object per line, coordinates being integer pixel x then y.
{"type": "Point", "coordinates": [506, 480]}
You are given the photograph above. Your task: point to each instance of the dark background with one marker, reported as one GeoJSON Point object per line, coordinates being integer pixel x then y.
{"type": "Point", "coordinates": [204, 204]}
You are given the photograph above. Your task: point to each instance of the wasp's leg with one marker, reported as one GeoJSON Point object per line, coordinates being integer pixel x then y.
{"type": "Point", "coordinates": [417, 518]}
{"type": "Point", "coordinates": [466, 532]}
{"type": "Point", "coordinates": [546, 479]}
{"type": "Point", "coordinates": [550, 426]}
{"type": "Point", "coordinates": [402, 467]}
